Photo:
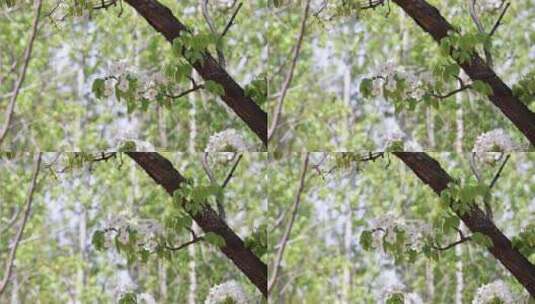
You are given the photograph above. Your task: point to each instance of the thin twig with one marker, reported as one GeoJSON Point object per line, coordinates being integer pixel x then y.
{"type": "Point", "coordinates": [193, 241]}
{"type": "Point", "coordinates": [18, 85]}
{"type": "Point", "coordinates": [182, 94]}
{"type": "Point", "coordinates": [462, 240]}
{"type": "Point", "coordinates": [498, 22]}
{"type": "Point", "coordinates": [229, 176]}
{"type": "Point", "coordinates": [486, 199]}
{"type": "Point", "coordinates": [289, 75]}
{"type": "Point", "coordinates": [497, 175]}
{"type": "Point", "coordinates": [18, 237]}
{"type": "Point", "coordinates": [231, 21]}
{"type": "Point", "coordinates": [286, 235]}
{"type": "Point", "coordinates": [462, 88]}
{"type": "Point", "coordinates": [211, 26]}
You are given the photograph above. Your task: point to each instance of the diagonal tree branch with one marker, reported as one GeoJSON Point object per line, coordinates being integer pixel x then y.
{"type": "Point", "coordinates": [163, 21]}
{"type": "Point", "coordinates": [431, 21]}
{"type": "Point", "coordinates": [22, 75]}
{"type": "Point", "coordinates": [431, 173]}
{"type": "Point", "coordinates": [163, 173]}
{"type": "Point", "coordinates": [289, 76]}
{"type": "Point", "coordinates": [18, 236]}
{"type": "Point", "coordinates": [286, 235]}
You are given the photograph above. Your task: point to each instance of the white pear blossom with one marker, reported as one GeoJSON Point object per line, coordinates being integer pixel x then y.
{"type": "Point", "coordinates": [108, 87]}
{"type": "Point", "coordinates": [226, 141]}
{"type": "Point", "coordinates": [124, 84]}
{"type": "Point", "coordinates": [489, 292]}
{"type": "Point", "coordinates": [494, 141]}
{"type": "Point", "coordinates": [146, 298]}
{"type": "Point", "coordinates": [489, 145]}
{"type": "Point", "coordinates": [489, 5]}
{"type": "Point", "coordinates": [377, 87]}
{"type": "Point", "coordinates": [118, 68]}
{"type": "Point", "coordinates": [391, 84]}
{"type": "Point", "coordinates": [158, 79]}
{"type": "Point", "coordinates": [150, 94]}
{"type": "Point", "coordinates": [124, 236]}
{"type": "Point", "coordinates": [230, 289]}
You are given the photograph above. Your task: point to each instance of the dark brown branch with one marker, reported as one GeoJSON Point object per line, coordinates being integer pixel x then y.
{"type": "Point", "coordinates": [231, 21]}
{"type": "Point", "coordinates": [163, 21]}
{"type": "Point", "coordinates": [182, 246]}
{"type": "Point", "coordinates": [498, 22]}
{"type": "Point", "coordinates": [462, 88]}
{"type": "Point", "coordinates": [163, 173]}
{"type": "Point", "coordinates": [449, 246]}
{"type": "Point", "coordinates": [497, 175]}
{"type": "Point", "coordinates": [182, 94]}
{"type": "Point", "coordinates": [431, 173]}
{"type": "Point", "coordinates": [288, 229]}
{"type": "Point", "coordinates": [29, 199]}
{"type": "Point", "coordinates": [431, 21]}
{"type": "Point", "coordinates": [27, 57]}
{"type": "Point", "coordinates": [229, 175]}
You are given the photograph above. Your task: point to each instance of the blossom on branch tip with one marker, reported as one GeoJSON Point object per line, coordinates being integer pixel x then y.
{"type": "Point", "coordinates": [489, 293]}
{"type": "Point", "coordinates": [228, 290]}
{"type": "Point", "coordinates": [226, 141]}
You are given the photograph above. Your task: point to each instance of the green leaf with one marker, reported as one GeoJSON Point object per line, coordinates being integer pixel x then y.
{"type": "Point", "coordinates": [366, 240]}
{"type": "Point", "coordinates": [396, 298]}
{"type": "Point", "coordinates": [482, 87]}
{"type": "Point", "coordinates": [451, 223]}
{"type": "Point", "coordinates": [98, 240]}
{"type": "Point", "coordinates": [482, 239]}
{"type": "Point", "coordinates": [214, 88]}
{"type": "Point", "coordinates": [128, 298]}
{"type": "Point", "coordinates": [366, 87]}
{"type": "Point", "coordinates": [214, 239]}
{"type": "Point", "coordinates": [127, 146]}
{"type": "Point", "coordinates": [98, 88]}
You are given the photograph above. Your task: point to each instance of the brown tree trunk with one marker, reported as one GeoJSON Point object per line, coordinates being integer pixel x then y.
{"type": "Point", "coordinates": [430, 19]}
{"type": "Point", "coordinates": [432, 174]}
{"type": "Point", "coordinates": [162, 172]}
{"type": "Point", "coordinates": [163, 21]}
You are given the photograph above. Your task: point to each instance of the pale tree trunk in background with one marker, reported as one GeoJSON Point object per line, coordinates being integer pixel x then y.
{"type": "Point", "coordinates": [162, 278]}
{"type": "Point", "coordinates": [459, 276]}
{"type": "Point", "coordinates": [15, 289]}
{"type": "Point", "coordinates": [347, 101]}
{"type": "Point", "coordinates": [192, 122]}
{"type": "Point", "coordinates": [161, 127]}
{"type": "Point", "coordinates": [429, 281]}
{"type": "Point", "coordinates": [192, 250]}
{"type": "Point", "coordinates": [430, 124]}
{"type": "Point", "coordinates": [80, 273]}
{"type": "Point", "coordinates": [348, 229]}
{"type": "Point", "coordinates": [348, 236]}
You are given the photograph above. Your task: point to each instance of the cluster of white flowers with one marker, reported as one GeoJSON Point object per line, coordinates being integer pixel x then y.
{"type": "Point", "coordinates": [489, 145]}
{"type": "Point", "coordinates": [389, 75]}
{"type": "Point", "coordinates": [148, 231]}
{"type": "Point", "coordinates": [148, 89]}
{"type": "Point", "coordinates": [386, 226]}
{"type": "Point", "coordinates": [119, 73]}
{"type": "Point", "coordinates": [226, 141]}
{"type": "Point", "coordinates": [396, 290]}
{"type": "Point", "coordinates": [222, 292]}
{"type": "Point", "coordinates": [489, 5]}
{"type": "Point", "coordinates": [146, 298]}
{"type": "Point", "coordinates": [489, 292]}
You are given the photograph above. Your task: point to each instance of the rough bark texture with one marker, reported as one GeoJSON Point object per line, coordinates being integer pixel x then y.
{"type": "Point", "coordinates": [429, 19]}
{"type": "Point", "coordinates": [163, 21]}
{"type": "Point", "coordinates": [432, 174]}
{"type": "Point", "coordinates": [162, 172]}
